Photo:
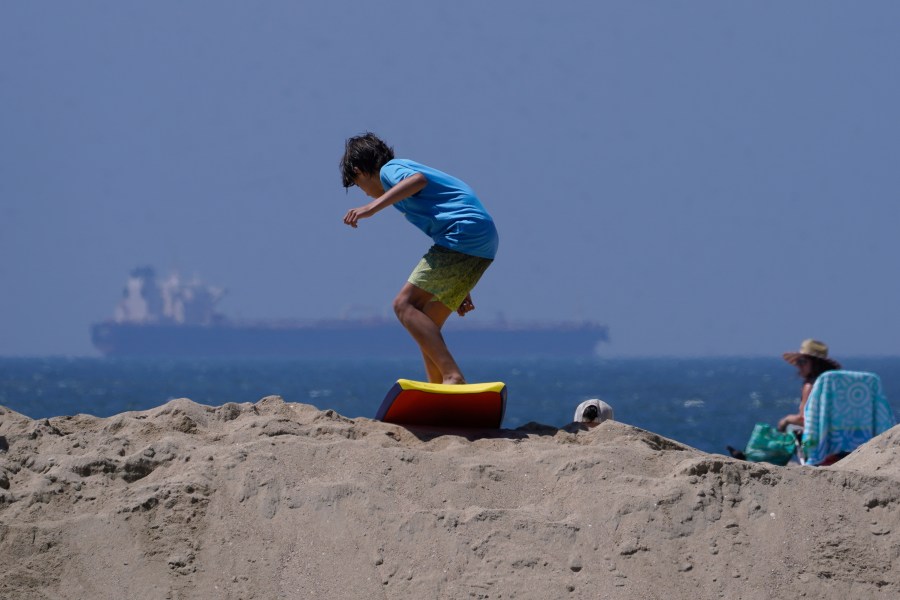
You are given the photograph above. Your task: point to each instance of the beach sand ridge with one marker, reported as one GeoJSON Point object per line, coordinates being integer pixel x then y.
{"type": "Point", "coordinates": [282, 500]}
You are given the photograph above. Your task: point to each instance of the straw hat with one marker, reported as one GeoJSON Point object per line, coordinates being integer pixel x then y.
{"type": "Point", "coordinates": [814, 349]}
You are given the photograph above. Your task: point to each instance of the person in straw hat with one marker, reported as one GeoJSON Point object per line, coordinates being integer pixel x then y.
{"type": "Point", "coordinates": [811, 361]}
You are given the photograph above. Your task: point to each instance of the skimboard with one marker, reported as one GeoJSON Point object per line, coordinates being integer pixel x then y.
{"type": "Point", "coordinates": [476, 405]}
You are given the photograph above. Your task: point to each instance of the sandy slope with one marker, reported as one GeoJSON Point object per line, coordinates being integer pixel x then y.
{"type": "Point", "coordinates": [278, 500]}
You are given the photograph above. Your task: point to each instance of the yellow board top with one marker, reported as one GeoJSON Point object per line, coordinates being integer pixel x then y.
{"type": "Point", "coordinates": [440, 388]}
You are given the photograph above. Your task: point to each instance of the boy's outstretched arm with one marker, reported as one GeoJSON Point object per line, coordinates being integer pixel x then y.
{"type": "Point", "coordinates": [401, 191]}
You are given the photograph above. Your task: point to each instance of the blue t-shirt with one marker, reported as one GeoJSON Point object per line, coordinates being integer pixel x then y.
{"type": "Point", "coordinates": [446, 209]}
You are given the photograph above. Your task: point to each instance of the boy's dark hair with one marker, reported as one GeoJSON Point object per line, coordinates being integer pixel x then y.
{"type": "Point", "coordinates": [366, 152]}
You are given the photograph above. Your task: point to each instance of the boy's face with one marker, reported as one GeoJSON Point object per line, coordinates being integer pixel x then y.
{"type": "Point", "coordinates": [370, 183]}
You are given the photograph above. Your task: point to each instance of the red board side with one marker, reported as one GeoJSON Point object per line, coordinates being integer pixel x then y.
{"type": "Point", "coordinates": [416, 407]}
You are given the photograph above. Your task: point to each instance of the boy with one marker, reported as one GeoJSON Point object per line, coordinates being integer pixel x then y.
{"type": "Point", "coordinates": [447, 210]}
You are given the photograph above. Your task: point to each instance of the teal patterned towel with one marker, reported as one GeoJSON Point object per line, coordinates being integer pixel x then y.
{"type": "Point", "coordinates": [845, 410]}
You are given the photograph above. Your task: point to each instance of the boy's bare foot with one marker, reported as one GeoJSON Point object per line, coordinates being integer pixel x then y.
{"type": "Point", "coordinates": [454, 380]}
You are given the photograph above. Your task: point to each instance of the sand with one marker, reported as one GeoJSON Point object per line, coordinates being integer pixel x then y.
{"type": "Point", "coordinates": [281, 500]}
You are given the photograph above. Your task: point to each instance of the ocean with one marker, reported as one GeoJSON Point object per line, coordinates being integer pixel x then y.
{"type": "Point", "coordinates": [706, 403]}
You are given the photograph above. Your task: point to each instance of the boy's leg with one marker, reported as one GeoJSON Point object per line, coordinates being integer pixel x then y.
{"type": "Point", "coordinates": [424, 319]}
{"type": "Point", "coordinates": [438, 313]}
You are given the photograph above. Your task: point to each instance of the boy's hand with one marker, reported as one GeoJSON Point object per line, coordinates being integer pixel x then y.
{"type": "Point", "coordinates": [354, 215]}
{"type": "Point", "coordinates": [466, 306]}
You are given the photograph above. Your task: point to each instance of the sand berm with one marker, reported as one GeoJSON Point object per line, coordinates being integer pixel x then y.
{"type": "Point", "coordinates": [273, 500]}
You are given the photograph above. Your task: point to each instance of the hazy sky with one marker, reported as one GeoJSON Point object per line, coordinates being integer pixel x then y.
{"type": "Point", "coordinates": [705, 177]}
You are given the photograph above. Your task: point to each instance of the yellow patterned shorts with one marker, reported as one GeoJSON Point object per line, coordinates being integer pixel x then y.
{"type": "Point", "coordinates": [448, 274]}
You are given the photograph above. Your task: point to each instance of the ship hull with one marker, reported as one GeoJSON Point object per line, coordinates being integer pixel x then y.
{"type": "Point", "coordinates": [339, 339]}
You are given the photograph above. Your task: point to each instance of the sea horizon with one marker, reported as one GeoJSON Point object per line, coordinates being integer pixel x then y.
{"type": "Point", "coordinates": [706, 403]}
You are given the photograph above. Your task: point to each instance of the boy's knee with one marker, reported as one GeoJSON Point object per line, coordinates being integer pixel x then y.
{"type": "Point", "coordinates": [404, 304]}
{"type": "Point", "coordinates": [401, 305]}
{"type": "Point", "coordinates": [410, 298]}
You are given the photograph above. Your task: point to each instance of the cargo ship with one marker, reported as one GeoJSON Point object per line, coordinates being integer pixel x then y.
{"type": "Point", "coordinates": [174, 318]}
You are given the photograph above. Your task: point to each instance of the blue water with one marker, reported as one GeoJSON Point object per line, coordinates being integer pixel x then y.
{"type": "Point", "coordinates": [704, 403]}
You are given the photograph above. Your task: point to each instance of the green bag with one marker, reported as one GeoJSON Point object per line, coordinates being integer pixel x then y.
{"type": "Point", "coordinates": [767, 444]}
